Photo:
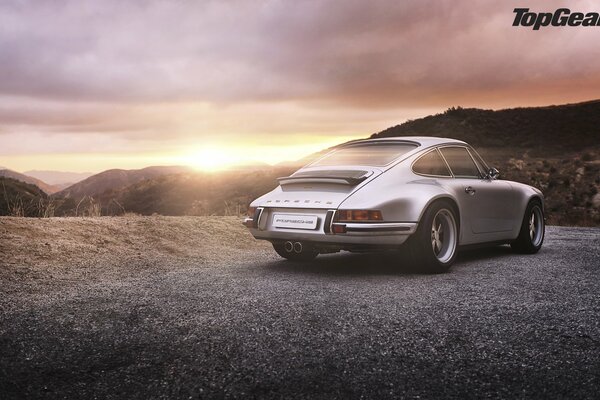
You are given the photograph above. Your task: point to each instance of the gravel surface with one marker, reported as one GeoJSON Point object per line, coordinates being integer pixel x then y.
{"type": "Point", "coordinates": [193, 307]}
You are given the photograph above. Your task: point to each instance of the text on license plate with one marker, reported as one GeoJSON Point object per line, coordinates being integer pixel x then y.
{"type": "Point", "coordinates": [294, 221]}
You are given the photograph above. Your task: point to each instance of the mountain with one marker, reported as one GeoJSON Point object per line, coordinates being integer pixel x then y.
{"type": "Point", "coordinates": [62, 186]}
{"type": "Point", "coordinates": [186, 193]}
{"type": "Point", "coordinates": [49, 189]}
{"type": "Point", "coordinates": [115, 179]}
{"type": "Point", "coordinates": [195, 193]}
{"type": "Point", "coordinates": [21, 199]}
{"type": "Point", "coordinates": [59, 178]}
{"type": "Point", "coordinates": [570, 126]}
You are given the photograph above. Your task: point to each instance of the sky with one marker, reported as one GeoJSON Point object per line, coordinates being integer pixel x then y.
{"type": "Point", "coordinates": [93, 85]}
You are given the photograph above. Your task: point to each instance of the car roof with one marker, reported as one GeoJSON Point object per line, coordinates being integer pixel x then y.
{"type": "Point", "coordinates": [424, 141]}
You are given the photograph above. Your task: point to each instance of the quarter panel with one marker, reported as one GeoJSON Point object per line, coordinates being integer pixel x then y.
{"type": "Point", "coordinates": [400, 195]}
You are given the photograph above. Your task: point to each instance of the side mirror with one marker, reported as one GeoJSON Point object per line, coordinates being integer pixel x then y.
{"type": "Point", "coordinates": [493, 173]}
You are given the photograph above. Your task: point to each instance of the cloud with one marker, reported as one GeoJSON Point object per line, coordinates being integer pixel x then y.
{"type": "Point", "coordinates": [186, 70]}
{"type": "Point", "coordinates": [393, 53]}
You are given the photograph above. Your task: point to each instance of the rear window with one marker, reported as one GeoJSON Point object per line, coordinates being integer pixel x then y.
{"type": "Point", "coordinates": [371, 154]}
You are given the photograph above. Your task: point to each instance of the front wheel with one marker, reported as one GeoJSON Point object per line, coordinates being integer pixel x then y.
{"type": "Point", "coordinates": [434, 245]}
{"type": "Point", "coordinates": [533, 228]}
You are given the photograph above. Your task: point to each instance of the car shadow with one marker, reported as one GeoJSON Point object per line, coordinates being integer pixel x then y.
{"type": "Point", "coordinates": [389, 263]}
{"type": "Point", "coordinates": [484, 253]}
{"type": "Point", "coordinates": [384, 263]}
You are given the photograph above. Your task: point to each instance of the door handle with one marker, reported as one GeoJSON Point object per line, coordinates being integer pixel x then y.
{"type": "Point", "coordinates": [470, 190]}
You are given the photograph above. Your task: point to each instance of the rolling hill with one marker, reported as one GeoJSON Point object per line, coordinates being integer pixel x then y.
{"type": "Point", "coordinates": [552, 128]}
{"type": "Point", "coordinates": [59, 178]}
{"type": "Point", "coordinates": [187, 193]}
{"type": "Point", "coordinates": [48, 189]}
{"type": "Point", "coordinates": [21, 199]}
{"type": "Point", "coordinates": [114, 180]}
{"type": "Point", "coordinates": [225, 193]}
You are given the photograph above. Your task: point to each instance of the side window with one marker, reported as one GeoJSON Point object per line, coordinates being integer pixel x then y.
{"type": "Point", "coordinates": [460, 162]}
{"type": "Point", "coordinates": [431, 164]}
{"type": "Point", "coordinates": [483, 167]}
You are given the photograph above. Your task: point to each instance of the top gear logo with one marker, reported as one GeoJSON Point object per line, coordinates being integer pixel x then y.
{"type": "Point", "coordinates": [560, 17]}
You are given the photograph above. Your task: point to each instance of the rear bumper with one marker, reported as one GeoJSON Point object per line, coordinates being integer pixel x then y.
{"type": "Point", "coordinates": [391, 238]}
{"type": "Point", "coordinates": [387, 234]}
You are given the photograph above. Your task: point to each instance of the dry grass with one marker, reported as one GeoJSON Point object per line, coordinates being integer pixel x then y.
{"type": "Point", "coordinates": [86, 245]}
{"type": "Point", "coordinates": [88, 207]}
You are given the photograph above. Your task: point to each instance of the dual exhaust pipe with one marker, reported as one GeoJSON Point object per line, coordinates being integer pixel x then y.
{"type": "Point", "coordinates": [293, 247]}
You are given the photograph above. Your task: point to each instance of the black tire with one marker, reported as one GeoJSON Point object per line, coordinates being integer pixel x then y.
{"type": "Point", "coordinates": [433, 252]}
{"type": "Point", "coordinates": [533, 230]}
{"type": "Point", "coordinates": [307, 254]}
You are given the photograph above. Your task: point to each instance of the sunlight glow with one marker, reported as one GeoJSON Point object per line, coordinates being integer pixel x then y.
{"type": "Point", "coordinates": [211, 159]}
{"type": "Point", "coordinates": [217, 157]}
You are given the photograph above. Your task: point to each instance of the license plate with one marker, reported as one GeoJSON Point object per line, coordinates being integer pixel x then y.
{"type": "Point", "coordinates": [295, 221]}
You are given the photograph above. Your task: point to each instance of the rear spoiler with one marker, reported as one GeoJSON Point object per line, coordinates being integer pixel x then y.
{"type": "Point", "coordinates": [341, 177]}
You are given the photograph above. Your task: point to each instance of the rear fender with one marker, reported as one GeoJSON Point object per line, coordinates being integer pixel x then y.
{"type": "Point", "coordinates": [398, 201]}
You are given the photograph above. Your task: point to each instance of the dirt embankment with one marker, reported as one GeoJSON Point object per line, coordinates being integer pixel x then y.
{"type": "Point", "coordinates": [89, 244]}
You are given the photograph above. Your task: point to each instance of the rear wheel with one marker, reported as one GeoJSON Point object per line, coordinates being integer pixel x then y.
{"type": "Point", "coordinates": [533, 228]}
{"type": "Point", "coordinates": [295, 252]}
{"type": "Point", "coordinates": [433, 246]}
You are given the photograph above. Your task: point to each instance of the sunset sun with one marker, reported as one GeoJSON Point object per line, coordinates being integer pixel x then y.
{"type": "Point", "coordinates": [210, 159]}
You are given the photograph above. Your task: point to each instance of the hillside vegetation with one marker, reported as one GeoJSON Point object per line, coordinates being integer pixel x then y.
{"type": "Point", "coordinates": [115, 179]}
{"type": "Point", "coordinates": [22, 199]}
{"type": "Point", "coordinates": [192, 193]}
{"type": "Point", "coordinates": [227, 193]}
{"type": "Point", "coordinates": [538, 129]}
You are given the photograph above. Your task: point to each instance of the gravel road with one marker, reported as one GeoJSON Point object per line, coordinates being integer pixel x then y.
{"type": "Point", "coordinates": [190, 307]}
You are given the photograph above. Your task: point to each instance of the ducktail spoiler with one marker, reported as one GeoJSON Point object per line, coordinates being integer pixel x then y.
{"type": "Point", "coordinates": [342, 177]}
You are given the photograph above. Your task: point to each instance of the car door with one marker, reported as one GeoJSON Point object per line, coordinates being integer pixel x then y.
{"type": "Point", "coordinates": [486, 202]}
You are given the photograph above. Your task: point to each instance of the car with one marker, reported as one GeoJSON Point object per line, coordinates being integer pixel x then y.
{"type": "Point", "coordinates": [429, 195]}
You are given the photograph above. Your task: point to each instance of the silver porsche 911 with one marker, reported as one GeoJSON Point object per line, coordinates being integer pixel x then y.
{"type": "Point", "coordinates": [435, 194]}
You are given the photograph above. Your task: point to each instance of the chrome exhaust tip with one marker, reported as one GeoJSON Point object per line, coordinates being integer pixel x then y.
{"type": "Point", "coordinates": [298, 247]}
{"type": "Point", "coordinates": [288, 246]}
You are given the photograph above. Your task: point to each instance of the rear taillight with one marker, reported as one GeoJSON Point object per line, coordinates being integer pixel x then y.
{"type": "Point", "coordinates": [358, 216]}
